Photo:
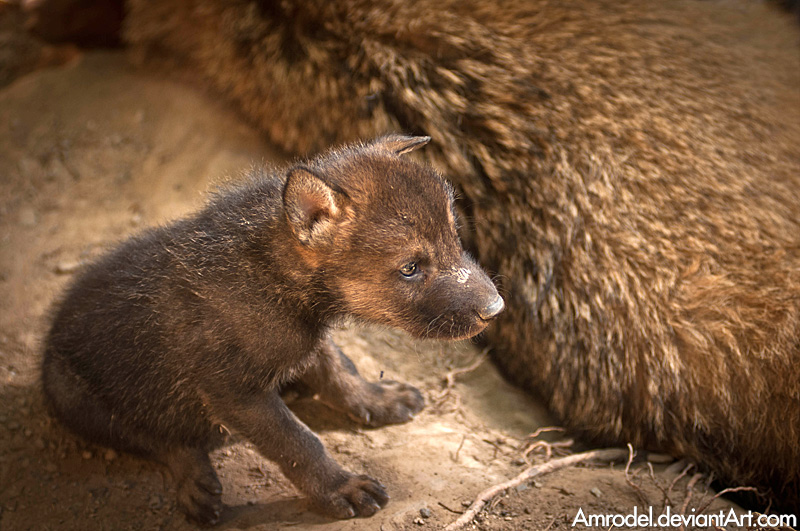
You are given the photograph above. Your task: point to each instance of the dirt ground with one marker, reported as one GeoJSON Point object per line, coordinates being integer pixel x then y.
{"type": "Point", "coordinates": [90, 152]}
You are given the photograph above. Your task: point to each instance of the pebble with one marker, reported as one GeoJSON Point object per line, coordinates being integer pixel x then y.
{"type": "Point", "coordinates": [518, 461]}
{"type": "Point", "coordinates": [39, 444]}
{"type": "Point", "coordinates": [99, 492]}
{"type": "Point", "coordinates": [29, 167]}
{"type": "Point", "coordinates": [156, 502]}
{"type": "Point", "coordinates": [425, 512]}
{"type": "Point", "coordinates": [67, 267]}
{"type": "Point", "coordinates": [597, 492]}
{"type": "Point", "coordinates": [110, 455]}
{"type": "Point", "coordinates": [27, 217]}
{"type": "Point", "coordinates": [419, 521]}
{"type": "Point", "coordinates": [660, 458]}
{"type": "Point", "coordinates": [86, 454]}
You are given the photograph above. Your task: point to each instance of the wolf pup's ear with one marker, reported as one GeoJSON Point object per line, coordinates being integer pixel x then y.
{"type": "Point", "coordinates": [401, 144]}
{"type": "Point", "coordinates": [312, 205]}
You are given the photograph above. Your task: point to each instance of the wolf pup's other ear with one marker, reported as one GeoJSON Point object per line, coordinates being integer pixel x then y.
{"type": "Point", "coordinates": [401, 144]}
{"type": "Point", "coordinates": [312, 205]}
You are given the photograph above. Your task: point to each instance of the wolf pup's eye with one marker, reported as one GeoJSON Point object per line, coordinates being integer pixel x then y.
{"type": "Point", "coordinates": [409, 270]}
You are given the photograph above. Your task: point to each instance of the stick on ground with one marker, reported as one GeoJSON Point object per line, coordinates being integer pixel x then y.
{"type": "Point", "coordinates": [612, 454]}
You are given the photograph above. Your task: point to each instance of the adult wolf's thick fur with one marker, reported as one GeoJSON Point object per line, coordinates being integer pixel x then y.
{"type": "Point", "coordinates": [630, 169]}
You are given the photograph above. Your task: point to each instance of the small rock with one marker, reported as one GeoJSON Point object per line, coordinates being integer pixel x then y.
{"type": "Point", "coordinates": [56, 171]}
{"type": "Point", "coordinates": [39, 444]}
{"type": "Point", "coordinates": [28, 432]}
{"type": "Point", "coordinates": [67, 267]}
{"type": "Point", "coordinates": [27, 217]}
{"type": "Point", "coordinates": [425, 512]}
{"type": "Point", "coordinates": [86, 454]}
{"type": "Point", "coordinates": [518, 461]}
{"type": "Point", "coordinates": [110, 455]}
{"type": "Point", "coordinates": [156, 502]}
{"type": "Point", "coordinates": [522, 487]}
{"type": "Point", "coordinates": [597, 492]}
{"type": "Point", "coordinates": [419, 521]}
{"type": "Point", "coordinates": [537, 484]}
{"type": "Point", "coordinates": [29, 168]}
{"type": "Point", "coordinates": [99, 492]}
{"type": "Point", "coordinates": [466, 503]}
{"type": "Point", "coordinates": [661, 459]}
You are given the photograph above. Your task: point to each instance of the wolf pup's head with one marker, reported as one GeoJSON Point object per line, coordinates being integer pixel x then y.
{"type": "Point", "coordinates": [380, 232]}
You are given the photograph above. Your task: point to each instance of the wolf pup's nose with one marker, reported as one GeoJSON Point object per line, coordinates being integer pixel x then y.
{"type": "Point", "coordinates": [493, 309]}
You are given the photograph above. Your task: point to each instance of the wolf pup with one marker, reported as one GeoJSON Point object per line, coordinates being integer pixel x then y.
{"type": "Point", "coordinates": [192, 327]}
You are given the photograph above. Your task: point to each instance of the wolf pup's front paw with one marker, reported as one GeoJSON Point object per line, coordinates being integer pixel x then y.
{"type": "Point", "coordinates": [354, 496]}
{"type": "Point", "coordinates": [387, 402]}
{"type": "Point", "coordinates": [200, 498]}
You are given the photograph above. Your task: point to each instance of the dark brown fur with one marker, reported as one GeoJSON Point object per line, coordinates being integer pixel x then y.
{"type": "Point", "coordinates": [631, 170]}
{"type": "Point", "coordinates": [194, 326]}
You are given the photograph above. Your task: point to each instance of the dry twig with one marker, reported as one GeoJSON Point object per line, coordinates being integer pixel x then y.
{"type": "Point", "coordinates": [559, 447]}
{"type": "Point", "coordinates": [702, 509]}
{"type": "Point", "coordinates": [629, 480]}
{"type": "Point", "coordinates": [674, 481]}
{"type": "Point", "coordinates": [450, 378]}
{"type": "Point", "coordinates": [455, 457]}
{"type": "Point", "coordinates": [487, 495]}
{"type": "Point", "coordinates": [689, 489]}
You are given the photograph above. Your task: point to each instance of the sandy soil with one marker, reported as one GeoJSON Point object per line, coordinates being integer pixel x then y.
{"type": "Point", "coordinates": [90, 152]}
